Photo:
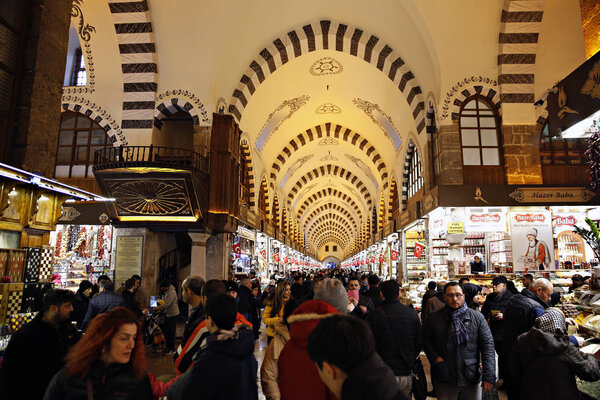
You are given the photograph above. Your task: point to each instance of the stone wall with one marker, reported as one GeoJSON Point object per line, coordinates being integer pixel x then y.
{"type": "Point", "coordinates": [451, 172]}
{"type": "Point", "coordinates": [522, 154]}
{"type": "Point", "coordinates": [218, 250]}
{"type": "Point", "coordinates": [38, 116]}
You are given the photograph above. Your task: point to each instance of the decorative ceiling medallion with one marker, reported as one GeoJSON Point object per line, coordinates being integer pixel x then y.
{"type": "Point", "coordinates": [326, 66]}
{"type": "Point", "coordinates": [379, 118]}
{"type": "Point", "coordinates": [328, 108]}
{"type": "Point", "coordinates": [283, 112]}
{"type": "Point", "coordinates": [328, 141]}
{"type": "Point", "coordinates": [150, 197]}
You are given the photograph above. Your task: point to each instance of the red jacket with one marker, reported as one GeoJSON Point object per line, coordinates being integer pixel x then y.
{"type": "Point", "coordinates": [298, 376]}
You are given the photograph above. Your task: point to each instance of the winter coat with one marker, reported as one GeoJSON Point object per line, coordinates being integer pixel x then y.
{"type": "Point", "coordinates": [80, 306]}
{"type": "Point", "coordinates": [433, 304]}
{"type": "Point", "coordinates": [546, 366]}
{"type": "Point", "coordinates": [269, 372]}
{"type": "Point", "coordinates": [226, 369]}
{"type": "Point", "coordinates": [373, 293]}
{"type": "Point", "coordinates": [170, 306]}
{"type": "Point", "coordinates": [130, 302]}
{"type": "Point", "coordinates": [270, 320]}
{"type": "Point", "coordinates": [428, 295]}
{"type": "Point", "coordinates": [519, 317]}
{"type": "Point", "coordinates": [298, 376]}
{"type": "Point", "coordinates": [371, 380]}
{"type": "Point", "coordinates": [112, 382]}
{"type": "Point", "coordinates": [101, 303]}
{"type": "Point", "coordinates": [397, 332]}
{"type": "Point", "coordinates": [497, 302]}
{"type": "Point", "coordinates": [248, 305]}
{"type": "Point", "coordinates": [196, 317]}
{"type": "Point", "coordinates": [471, 290]}
{"type": "Point", "coordinates": [461, 365]}
{"type": "Point", "coordinates": [34, 354]}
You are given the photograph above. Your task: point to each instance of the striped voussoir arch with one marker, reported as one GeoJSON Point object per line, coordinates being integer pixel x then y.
{"type": "Point", "coordinates": [264, 193]}
{"type": "Point", "coordinates": [328, 170]}
{"type": "Point", "coordinates": [393, 195]}
{"type": "Point", "coordinates": [330, 225]}
{"type": "Point", "coordinates": [275, 214]}
{"type": "Point", "coordinates": [171, 106]}
{"type": "Point", "coordinates": [518, 39]}
{"type": "Point", "coordinates": [138, 63]}
{"type": "Point", "coordinates": [102, 121]}
{"type": "Point", "coordinates": [333, 193]}
{"type": "Point", "coordinates": [430, 117]}
{"type": "Point", "coordinates": [336, 218]}
{"type": "Point", "coordinates": [330, 35]}
{"type": "Point", "coordinates": [324, 131]}
{"type": "Point", "coordinates": [247, 158]}
{"type": "Point", "coordinates": [490, 93]}
{"type": "Point", "coordinates": [328, 235]}
{"type": "Point", "coordinates": [410, 150]}
{"type": "Point", "coordinates": [334, 207]}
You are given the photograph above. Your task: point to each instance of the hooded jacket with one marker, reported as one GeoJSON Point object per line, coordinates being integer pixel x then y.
{"type": "Point", "coordinates": [170, 307]}
{"type": "Point", "coordinates": [539, 356]}
{"type": "Point", "coordinates": [225, 370]}
{"type": "Point", "coordinates": [298, 376]}
{"type": "Point", "coordinates": [269, 373]}
{"type": "Point", "coordinates": [112, 382]}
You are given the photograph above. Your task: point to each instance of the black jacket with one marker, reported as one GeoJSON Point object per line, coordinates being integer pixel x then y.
{"type": "Point", "coordinates": [196, 316]}
{"type": "Point", "coordinates": [248, 305]}
{"type": "Point", "coordinates": [131, 303]}
{"type": "Point", "coordinates": [113, 382]}
{"type": "Point", "coordinates": [495, 302]}
{"type": "Point", "coordinates": [477, 267]}
{"type": "Point", "coordinates": [460, 367]}
{"type": "Point", "coordinates": [371, 380]}
{"type": "Point", "coordinates": [546, 366]}
{"type": "Point", "coordinates": [471, 290]}
{"type": "Point", "coordinates": [373, 293]}
{"type": "Point", "coordinates": [397, 332]}
{"type": "Point", "coordinates": [80, 306]}
{"type": "Point", "coordinates": [34, 354]}
{"type": "Point", "coordinates": [518, 317]}
{"type": "Point", "coordinates": [225, 370]}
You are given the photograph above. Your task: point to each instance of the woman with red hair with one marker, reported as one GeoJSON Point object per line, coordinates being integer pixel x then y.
{"type": "Point", "coordinates": [107, 363]}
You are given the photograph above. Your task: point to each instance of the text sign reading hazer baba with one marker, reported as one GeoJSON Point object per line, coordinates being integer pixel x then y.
{"type": "Point", "coordinates": [552, 195]}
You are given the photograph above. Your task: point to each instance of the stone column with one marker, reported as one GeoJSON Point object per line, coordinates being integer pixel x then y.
{"type": "Point", "coordinates": [202, 139]}
{"type": "Point", "coordinates": [198, 262]}
{"type": "Point", "coordinates": [451, 172]}
{"type": "Point", "coordinates": [217, 256]}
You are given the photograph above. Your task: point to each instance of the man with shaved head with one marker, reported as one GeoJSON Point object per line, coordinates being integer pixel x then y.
{"type": "Point", "coordinates": [521, 311]}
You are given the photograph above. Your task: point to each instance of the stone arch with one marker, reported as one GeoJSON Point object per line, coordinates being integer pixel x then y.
{"type": "Point", "coordinates": [489, 93]}
{"type": "Point", "coordinates": [263, 198]}
{"type": "Point", "coordinates": [335, 207]}
{"type": "Point", "coordinates": [410, 149]}
{"type": "Point", "coordinates": [138, 63]}
{"type": "Point", "coordinates": [330, 35]}
{"type": "Point", "coordinates": [326, 170]}
{"type": "Point", "coordinates": [330, 215]}
{"type": "Point", "coordinates": [172, 105]}
{"type": "Point", "coordinates": [520, 24]}
{"type": "Point", "coordinates": [275, 216]}
{"type": "Point", "coordinates": [394, 199]}
{"type": "Point", "coordinates": [430, 115]}
{"type": "Point", "coordinates": [331, 226]}
{"type": "Point", "coordinates": [334, 193]}
{"type": "Point", "coordinates": [101, 117]}
{"type": "Point", "coordinates": [329, 130]}
{"type": "Point", "coordinates": [315, 224]}
{"type": "Point", "coordinates": [247, 157]}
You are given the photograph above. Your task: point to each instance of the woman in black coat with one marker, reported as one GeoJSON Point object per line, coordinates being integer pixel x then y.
{"type": "Point", "coordinates": [81, 301]}
{"type": "Point", "coordinates": [109, 362]}
{"type": "Point", "coordinates": [544, 362]}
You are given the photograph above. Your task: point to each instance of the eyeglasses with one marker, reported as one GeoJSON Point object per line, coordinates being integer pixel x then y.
{"type": "Point", "coordinates": [455, 295]}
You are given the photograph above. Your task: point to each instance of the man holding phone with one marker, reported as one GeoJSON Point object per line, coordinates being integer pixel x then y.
{"type": "Point", "coordinates": [358, 304]}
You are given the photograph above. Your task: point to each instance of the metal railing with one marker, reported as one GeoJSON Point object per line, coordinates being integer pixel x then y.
{"type": "Point", "coordinates": [150, 156]}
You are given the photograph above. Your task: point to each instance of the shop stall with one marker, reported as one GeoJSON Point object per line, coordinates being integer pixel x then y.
{"type": "Point", "coordinates": [243, 250]}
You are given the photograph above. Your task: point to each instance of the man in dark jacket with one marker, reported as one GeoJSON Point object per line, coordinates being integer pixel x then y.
{"type": "Point", "coordinates": [493, 311]}
{"type": "Point", "coordinates": [81, 302]}
{"type": "Point", "coordinates": [105, 301]}
{"type": "Point", "coordinates": [343, 349]}
{"type": "Point", "coordinates": [248, 304]}
{"type": "Point", "coordinates": [397, 332]}
{"type": "Point", "coordinates": [129, 300]}
{"type": "Point", "coordinates": [373, 291]}
{"type": "Point", "coordinates": [36, 351]}
{"type": "Point", "coordinates": [429, 293]}
{"type": "Point", "coordinates": [364, 305]}
{"type": "Point", "coordinates": [226, 368]}
{"type": "Point", "coordinates": [191, 292]}
{"type": "Point", "coordinates": [456, 340]}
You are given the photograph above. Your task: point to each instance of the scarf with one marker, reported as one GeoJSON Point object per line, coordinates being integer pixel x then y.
{"type": "Point", "coordinates": [458, 332]}
{"type": "Point", "coordinates": [224, 334]}
{"type": "Point", "coordinates": [552, 321]}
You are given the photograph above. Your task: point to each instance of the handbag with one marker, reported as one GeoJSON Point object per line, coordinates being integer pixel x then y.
{"type": "Point", "coordinates": [419, 380]}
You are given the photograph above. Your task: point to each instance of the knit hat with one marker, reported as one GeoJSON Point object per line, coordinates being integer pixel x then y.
{"type": "Point", "coordinates": [533, 232]}
{"type": "Point", "coordinates": [332, 291]}
{"type": "Point", "coordinates": [552, 321]}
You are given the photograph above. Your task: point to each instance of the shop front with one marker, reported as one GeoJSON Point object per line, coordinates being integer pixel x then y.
{"type": "Point", "coordinates": [242, 253]}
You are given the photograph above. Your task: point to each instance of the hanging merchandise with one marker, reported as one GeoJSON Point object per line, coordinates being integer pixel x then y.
{"type": "Point", "coordinates": [419, 249]}
{"type": "Point", "coordinates": [394, 255]}
{"type": "Point", "coordinates": [381, 258]}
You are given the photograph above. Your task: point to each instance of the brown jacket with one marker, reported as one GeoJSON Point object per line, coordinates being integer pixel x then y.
{"type": "Point", "coordinates": [268, 370]}
{"type": "Point", "coordinates": [432, 305]}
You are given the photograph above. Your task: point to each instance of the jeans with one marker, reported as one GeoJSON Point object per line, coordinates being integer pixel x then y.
{"type": "Point", "coordinates": [169, 331]}
{"type": "Point", "coordinates": [405, 385]}
{"type": "Point", "coordinates": [444, 391]}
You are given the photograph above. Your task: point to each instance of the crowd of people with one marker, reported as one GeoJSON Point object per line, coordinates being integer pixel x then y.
{"type": "Point", "coordinates": [330, 335]}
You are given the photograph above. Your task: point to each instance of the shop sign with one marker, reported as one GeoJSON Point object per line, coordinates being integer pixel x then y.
{"type": "Point", "coordinates": [419, 249]}
{"type": "Point", "coordinates": [559, 220]}
{"type": "Point", "coordinates": [532, 240]}
{"type": "Point", "coordinates": [486, 222]}
{"type": "Point", "coordinates": [552, 195]}
{"type": "Point", "coordinates": [394, 255]}
{"type": "Point", "coordinates": [276, 254]}
{"type": "Point", "coordinates": [456, 227]}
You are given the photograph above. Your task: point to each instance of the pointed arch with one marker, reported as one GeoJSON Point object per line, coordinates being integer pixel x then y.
{"type": "Point", "coordinates": [394, 209]}
{"type": "Point", "coordinates": [263, 200]}
{"type": "Point", "coordinates": [247, 191]}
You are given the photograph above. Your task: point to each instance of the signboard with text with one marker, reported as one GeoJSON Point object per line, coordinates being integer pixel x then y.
{"type": "Point", "coordinates": [128, 260]}
{"type": "Point", "coordinates": [486, 222]}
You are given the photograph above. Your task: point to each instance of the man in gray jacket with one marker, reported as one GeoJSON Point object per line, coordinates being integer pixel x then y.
{"type": "Point", "coordinates": [171, 310]}
{"type": "Point", "coordinates": [456, 340]}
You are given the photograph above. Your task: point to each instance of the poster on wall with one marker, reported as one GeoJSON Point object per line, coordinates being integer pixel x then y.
{"type": "Point", "coordinates": [128, 258]}
{"type": "Point", "coordinates": [532, 241]}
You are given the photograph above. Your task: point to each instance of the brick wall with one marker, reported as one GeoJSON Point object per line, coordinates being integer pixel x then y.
{"type": "Point", "coordinates": [450, 156]}
{"type": "Point", "coordinates": [522, 154]}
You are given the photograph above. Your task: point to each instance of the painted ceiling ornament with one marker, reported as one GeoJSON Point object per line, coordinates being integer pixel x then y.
{"type": "Point", "coordinates": [328, 108]}
{"type": "Point", "coordinates": [328, 141]}
{"type": "Point", "coordinates": [457, 87]}
{"type": "Point", "coordinates": [379, 118]}
{"type": "Point", "coordinates": [282, 113]}
{"type": "Point", "coordinates": [150, 197]}
{"type": "Point", "coordinates": [329, 157]}
{"type": "Point", "coordinates": [326, 66]}
{"type": "Point", "coordinates": [85, 31]}
{"type": "Point", "coordinates": [299, 163]}
{"type": "Point", "coordinates": [363, 167]}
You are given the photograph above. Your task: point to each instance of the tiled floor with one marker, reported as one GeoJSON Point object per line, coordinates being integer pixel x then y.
{"type": "Point", "coordinates": [162, 365]}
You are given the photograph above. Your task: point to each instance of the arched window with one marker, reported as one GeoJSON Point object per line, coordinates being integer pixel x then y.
{"type": "Point", "coordinates": [78, 139]}
{"type": "Point", "coordinates": [559, 151]}
{"type": "Point", "coordinates": [415, 177]}
{"type": "Point", "coordinates": [480, 142]}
